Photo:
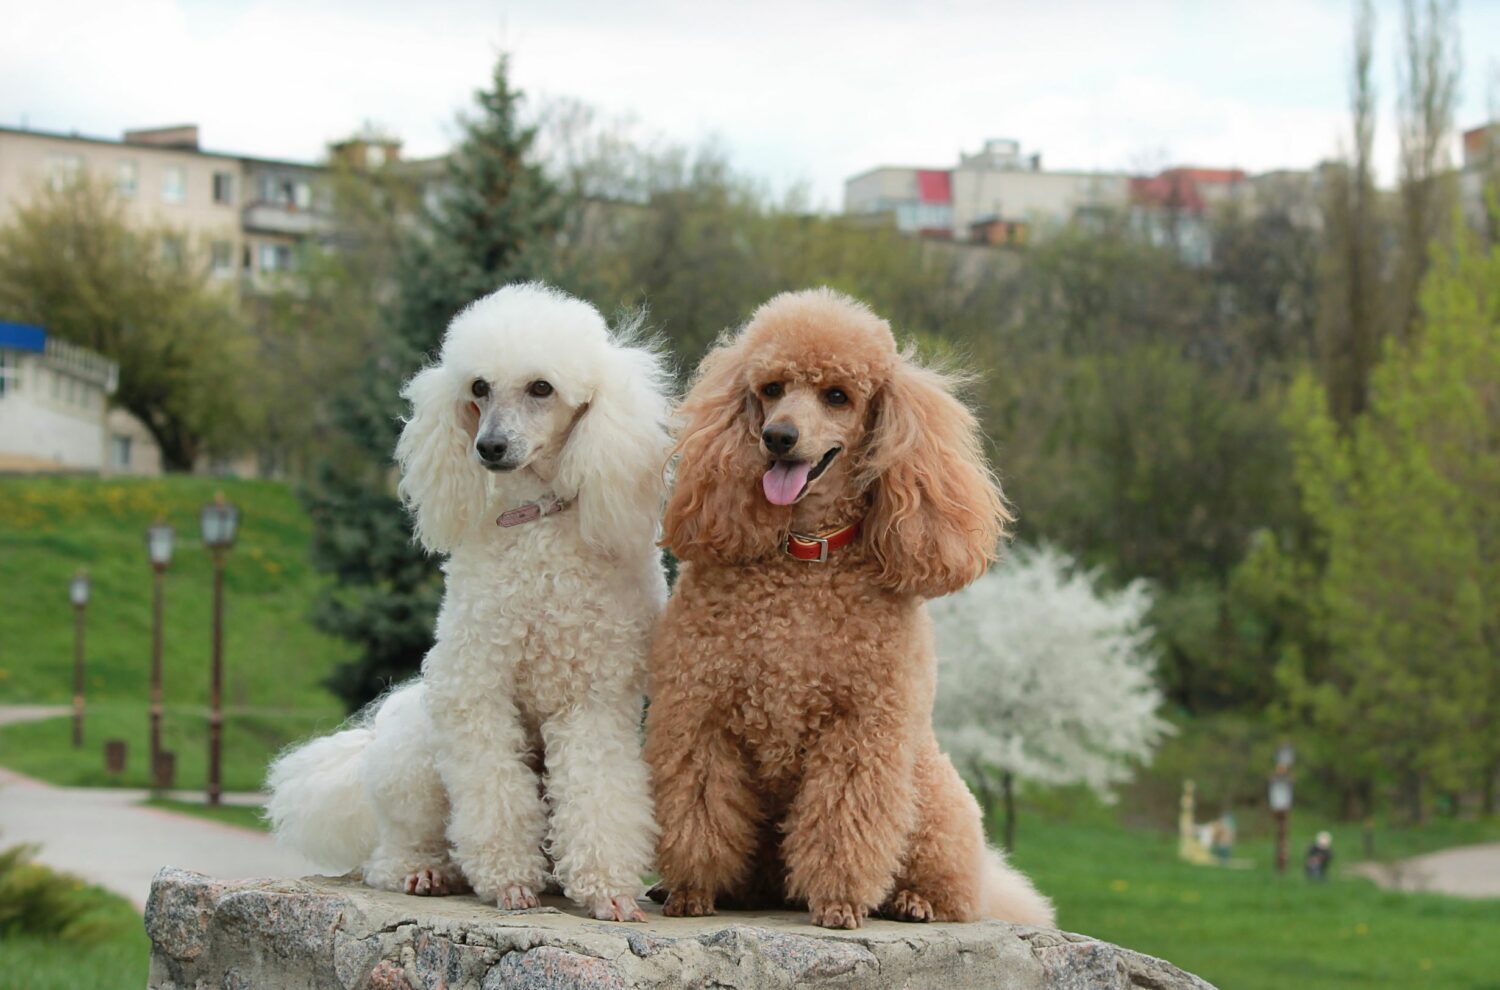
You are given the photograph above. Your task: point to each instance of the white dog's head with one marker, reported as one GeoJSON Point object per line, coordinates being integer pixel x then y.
{"type": "Point", "coordinates": [531, 381]}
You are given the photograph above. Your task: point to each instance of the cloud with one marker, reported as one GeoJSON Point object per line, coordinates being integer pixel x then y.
{"type": "Point", "coordinates": [809, 91]}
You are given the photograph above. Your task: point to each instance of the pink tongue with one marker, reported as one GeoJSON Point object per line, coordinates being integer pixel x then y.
{"type": "Point", "coordinates": [783, 483]}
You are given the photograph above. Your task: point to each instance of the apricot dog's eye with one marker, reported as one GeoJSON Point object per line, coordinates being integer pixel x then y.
{"type": "Point", "coordinates": [772, 390]}
{"type": "Point", "coordinates": [539, 389]}
{"type": "Point", "coordinates": [480, 388]}
{"type": "Point", "coordinates": [835, 397]}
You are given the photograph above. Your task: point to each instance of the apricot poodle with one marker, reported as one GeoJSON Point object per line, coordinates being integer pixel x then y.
{"type": "Point", "coordinates": [826, 485]}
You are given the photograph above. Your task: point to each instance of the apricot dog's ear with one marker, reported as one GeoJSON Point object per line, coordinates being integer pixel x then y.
{"type": "Point", "coordinates": [938, 515]}
{"type": "Point", "coordinates": [717, 511]}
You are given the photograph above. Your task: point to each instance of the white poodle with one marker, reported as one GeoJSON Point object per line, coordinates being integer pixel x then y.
{"type": "Point", "coordinates": [533, 458]}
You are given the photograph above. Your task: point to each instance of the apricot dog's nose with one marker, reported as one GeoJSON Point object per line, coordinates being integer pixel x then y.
{"type": "Point", "coordinates": [780, 438]}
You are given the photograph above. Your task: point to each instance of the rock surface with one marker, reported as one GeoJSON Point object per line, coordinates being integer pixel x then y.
{"type": "Point", "coordinates": [322, 934]}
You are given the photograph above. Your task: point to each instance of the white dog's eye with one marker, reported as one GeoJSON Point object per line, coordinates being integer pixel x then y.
{"type": "Point", "coordinates": [836, 397]}
{"type": "Point", "coordinates": [772, 390]}
{"type": "Point", "coordinates": [480, 388]}
{"type": "Point", "coordinates": [539, 389]}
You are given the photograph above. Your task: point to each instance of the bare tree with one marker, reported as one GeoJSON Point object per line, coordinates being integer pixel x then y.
{"type": "Point", "coordinates": [1349, 326]}
{"type": "Point", "coordinates": [1427, 72]}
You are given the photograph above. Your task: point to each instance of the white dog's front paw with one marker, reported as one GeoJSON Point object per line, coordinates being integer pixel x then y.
{"type": "Point", "coordinates": [434, 881]}
{"type": "Point", "coordinates": [517, 897]}
{"type": "Point", "coordinates": [621, 907]}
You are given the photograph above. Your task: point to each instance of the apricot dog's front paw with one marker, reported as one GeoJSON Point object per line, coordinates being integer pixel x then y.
{"type": "Point", "coordinates": [837, 914]}
{"type": "Point", "coordinates": [688, 904]}
{"type": "Point", "coordinates": [908, 905]}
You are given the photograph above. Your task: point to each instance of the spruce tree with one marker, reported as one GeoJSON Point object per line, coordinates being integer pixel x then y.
{"type": "Point", "coordinates": [491, 220]}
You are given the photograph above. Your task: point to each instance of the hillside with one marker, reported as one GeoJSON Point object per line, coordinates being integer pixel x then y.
{"type": "Point", "coordinates": [49, 527]}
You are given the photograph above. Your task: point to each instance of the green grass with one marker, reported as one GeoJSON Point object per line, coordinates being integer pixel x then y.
{"type": "Point", "coordinates": [229, 814]}
{"type": "Point", "coordinates": [49, 527]}
{"type": "Point", "coordinates": [1255, 930]}
{"type": "Point", "coordinates": [92, 940]}
{"type": "Point", "coordinates": [44, 749]}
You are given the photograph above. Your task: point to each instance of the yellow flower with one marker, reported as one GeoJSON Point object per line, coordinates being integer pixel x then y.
{"type": "Point", "coordinates": [1191, 897]}
{"type": "Point", "coordinates": [1119, 886]}
{"type": "Point", "coordinates": [1361, 929]}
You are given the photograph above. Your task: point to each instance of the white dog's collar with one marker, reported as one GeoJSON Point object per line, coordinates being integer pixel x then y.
{"type": "Point", "coordinates": [548, 505]}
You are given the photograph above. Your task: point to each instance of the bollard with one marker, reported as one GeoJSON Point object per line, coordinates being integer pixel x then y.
{"type": "Point", "coordinates": [114, 756]}
{"type": "Point", "coordinates": [165, 774]}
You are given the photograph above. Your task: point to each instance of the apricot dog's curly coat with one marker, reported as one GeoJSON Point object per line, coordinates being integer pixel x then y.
{"type": "Point", "coordinates": [790, 730]}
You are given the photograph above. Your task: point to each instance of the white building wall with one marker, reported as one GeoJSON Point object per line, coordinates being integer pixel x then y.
{"type": "Point", "coordinates": [878, 190]}
{"type": "Point", "coordinates": [1038, 198]}
{"type": "Point", "coordinates": [67, 429]}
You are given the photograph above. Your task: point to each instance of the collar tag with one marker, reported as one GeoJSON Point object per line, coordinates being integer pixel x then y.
{"type": "Point", "coordinates": [547, 505]}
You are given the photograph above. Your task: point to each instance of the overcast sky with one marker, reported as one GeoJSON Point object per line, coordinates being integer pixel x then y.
{"type": "Point", "coordinates": [809, 91]}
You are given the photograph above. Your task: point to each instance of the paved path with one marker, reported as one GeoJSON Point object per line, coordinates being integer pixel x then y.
{"type": "Point", "coordinates": [102, 835]}
{"type": "Point", "coordinates": [10, 714]}
{"type": "Point", "coordinates": [1465, 871]}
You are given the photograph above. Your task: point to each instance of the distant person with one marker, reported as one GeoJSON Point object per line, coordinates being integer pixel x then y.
{"type": "Point", "coordinates": [1319, 855]}
{"type": "Point", "coordinates": [1221, 837]}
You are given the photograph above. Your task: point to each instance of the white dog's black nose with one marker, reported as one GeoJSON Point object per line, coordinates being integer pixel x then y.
{"type": "Point", "coordinates": [780, 438]}
{"type": "Point", "coordinates": [491, 450]}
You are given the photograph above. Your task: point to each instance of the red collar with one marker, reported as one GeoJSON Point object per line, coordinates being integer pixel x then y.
{"type": "Point", "coordinates": [817, 548]}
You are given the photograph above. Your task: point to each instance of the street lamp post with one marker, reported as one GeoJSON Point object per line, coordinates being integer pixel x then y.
{"type": "Point", "coordinates": [219, 521]}
{"type": "Point", "coordinates": [1279, 796]}
{"type": "Point", "coordinates": [78, 594]}
{"type": "Point", "coordinates": [159, 550]}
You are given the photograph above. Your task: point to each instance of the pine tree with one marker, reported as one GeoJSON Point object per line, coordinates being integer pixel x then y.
{"type": "Point", "coordinates": [492, 220]}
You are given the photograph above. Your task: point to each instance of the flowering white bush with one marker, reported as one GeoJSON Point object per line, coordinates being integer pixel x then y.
{"type": "Point", "coordinates": [1043, 677]}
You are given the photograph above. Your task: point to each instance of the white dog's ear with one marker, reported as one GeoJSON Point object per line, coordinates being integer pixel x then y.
{"type": "Point", "coordinates": [614, 460]}
{"type": "Point", "coordinates": [439, 482]}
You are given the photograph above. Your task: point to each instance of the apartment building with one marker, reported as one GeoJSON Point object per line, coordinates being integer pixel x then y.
{"type": "Point", "coordinates": [244, 215]}
{"type": "Point", "coordinates": [1480, 171]}
{"type": "Point", "coordinates": [997, 195]}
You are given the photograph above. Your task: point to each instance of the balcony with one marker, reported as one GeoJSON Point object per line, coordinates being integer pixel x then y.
{"type": "Point", "coordinates": [284, 218]}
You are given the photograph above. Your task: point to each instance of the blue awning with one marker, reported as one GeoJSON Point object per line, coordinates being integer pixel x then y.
{"type": "Point", "coordinates": [22, 337]}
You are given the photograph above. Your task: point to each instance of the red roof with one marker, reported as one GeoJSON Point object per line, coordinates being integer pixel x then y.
{"type": "Point", "coordinates": [934, 186]}
{"type": "Point", "coordinates": [1182, 188]}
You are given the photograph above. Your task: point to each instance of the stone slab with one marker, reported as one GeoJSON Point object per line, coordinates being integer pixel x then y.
{"type": "Point", "coordinates": [336, 934]}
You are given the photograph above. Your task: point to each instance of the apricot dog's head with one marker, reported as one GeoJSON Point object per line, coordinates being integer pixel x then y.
{"type": "Point", "coordinates": [811, 415]}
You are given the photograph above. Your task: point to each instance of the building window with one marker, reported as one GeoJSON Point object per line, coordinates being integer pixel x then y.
{"type": "Point", "coordinates": [172, 250]}
{"type": "Point", "coordinates": [223, 187]}
{"type": "Point", "coordinates": [128, 180]}
{"type": "Point", "coordinates": [221, 258]}
{"type": "Point", "coordinates": [173, 185]}
{"type": "Point", "coordinates": [301, 195]}
{"type": "Point", "coordinates": [119, 452]}
{"type": "Point", "coordinates": [10, 371]}
{"type": "Point", "coordinates": [275, 258]}
{"type": "Point", "coordinates": [63, 171]}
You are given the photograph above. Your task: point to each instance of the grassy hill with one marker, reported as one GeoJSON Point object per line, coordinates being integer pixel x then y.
{"type": "Point", "coordinates": [49, 527]}
{"type": "Point", "coordinates": [274, 659]}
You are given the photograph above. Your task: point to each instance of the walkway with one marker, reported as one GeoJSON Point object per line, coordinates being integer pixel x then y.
{"type": "Point", "coordinates": [104, 836]}
{"type": "Point", "coordinates": [1465, 871]}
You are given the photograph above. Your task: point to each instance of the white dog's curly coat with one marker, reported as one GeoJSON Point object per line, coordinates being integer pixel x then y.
{"type": "Point", "coordinates": [539, 658]}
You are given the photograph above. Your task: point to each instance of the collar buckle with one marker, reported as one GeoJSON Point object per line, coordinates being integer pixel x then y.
{"type": "Point", "coordinates": [806, 543]}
